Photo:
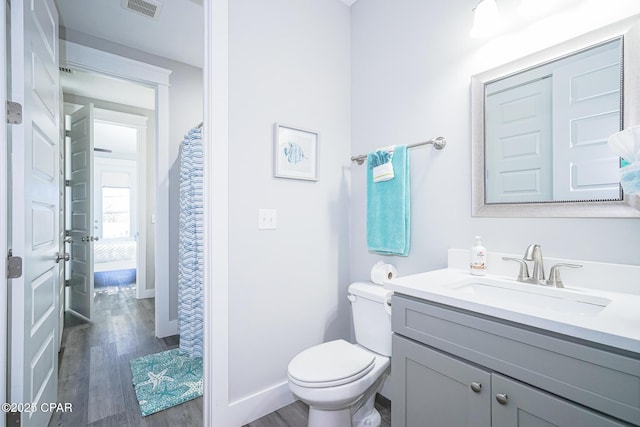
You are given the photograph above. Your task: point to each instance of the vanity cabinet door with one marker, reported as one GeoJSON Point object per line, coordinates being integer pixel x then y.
{"type": "Point", "coordinates": [432, 389]}
{"type": "Point", "coordinates": [517, 405]}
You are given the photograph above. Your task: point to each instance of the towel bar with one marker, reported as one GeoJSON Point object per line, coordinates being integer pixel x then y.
{"type": "Point", "coordinates": [438, 142]}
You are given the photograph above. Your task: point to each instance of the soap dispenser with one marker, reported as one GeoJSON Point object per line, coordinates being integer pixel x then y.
{"type": "Point", "coordinates": [478, 258]}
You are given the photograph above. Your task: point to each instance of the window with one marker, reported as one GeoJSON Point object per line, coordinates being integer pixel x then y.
{"type": "Point", "coordinates": [116, 212]}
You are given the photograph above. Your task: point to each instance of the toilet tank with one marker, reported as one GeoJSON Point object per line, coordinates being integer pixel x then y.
{"type": "Point", "coordinates": [371, 310]}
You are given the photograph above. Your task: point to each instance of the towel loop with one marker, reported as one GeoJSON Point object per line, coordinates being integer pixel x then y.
{"type": "Point", "coordinates": [438, 143]}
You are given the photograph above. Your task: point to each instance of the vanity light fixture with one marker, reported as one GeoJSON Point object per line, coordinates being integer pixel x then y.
{"type": "Point", "coordinates": [486, 19]}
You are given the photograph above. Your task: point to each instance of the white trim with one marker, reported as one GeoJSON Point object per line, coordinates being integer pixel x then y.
{"type": "Point", "coordinates": [164, 326]}
{"type": "Point", "coordinates": [146, 293]}
{"type": "Point", "coordinates": [217, 410]}
{"type": "Point", "coordinates": [3, 207]}
{"type": "Point", "coordinates": [78, 315]}
{"type": "Point", "coordinates": [257, 405]}
{"type": "Point", "coordinates": [82, 57]}
{"type": "Point", "coordinates": [120, 118]}
{"type": "Point", "coordinates": [141, 240]}
{"type": "Point", "coordinates": [75, 55]}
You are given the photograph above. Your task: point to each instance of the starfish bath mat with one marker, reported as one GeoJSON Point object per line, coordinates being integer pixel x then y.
{"type": "Point", "coordinates": [166, 379]}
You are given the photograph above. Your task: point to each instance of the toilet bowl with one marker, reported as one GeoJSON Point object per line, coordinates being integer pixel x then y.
{"type": "Point", "coordinates": [339, 380]}
{"type": "Point", "coordinates": [343, 389]}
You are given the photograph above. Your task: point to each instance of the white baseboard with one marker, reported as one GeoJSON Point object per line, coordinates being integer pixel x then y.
{"type": "Point", "coordinates": [250, 408]}
{"type": "Point", "coordinates": [257, 405]}
{"type": "Point", "coordinates": [75, 313]}
{"type": "Point", "coordinates": [145, 293]}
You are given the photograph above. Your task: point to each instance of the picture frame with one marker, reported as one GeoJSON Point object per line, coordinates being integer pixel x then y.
{"type": "Point", "coordinates": [295, 153]}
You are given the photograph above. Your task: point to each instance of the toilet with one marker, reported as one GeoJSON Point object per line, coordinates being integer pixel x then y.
{"type": "Point", "coordinates": [339, 380]}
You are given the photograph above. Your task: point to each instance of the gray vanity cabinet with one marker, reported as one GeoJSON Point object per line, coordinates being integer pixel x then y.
{"type": "Point", "coordinates": [436, 389]}
{"type": "Point", "coordinates": [524, 406]}
{"type": "Point", "coordinates": [455, 368]}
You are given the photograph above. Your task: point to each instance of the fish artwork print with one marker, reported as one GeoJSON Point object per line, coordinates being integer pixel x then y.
{"type": "Point", "coordinates": [294, 153]}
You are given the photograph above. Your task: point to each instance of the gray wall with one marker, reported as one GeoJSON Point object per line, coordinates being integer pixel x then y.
{"type": "Point", "coordinates": [411, 68]}
{"type": "Point", "coordinates": [185, 112]}
{"type": "Point", "coordinates": [289, 63]}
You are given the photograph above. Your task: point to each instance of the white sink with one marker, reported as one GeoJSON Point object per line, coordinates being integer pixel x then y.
{"type": "Point", "coordinates": [587, 313]}
{"type": "Point", "coordinates": [529, 296]}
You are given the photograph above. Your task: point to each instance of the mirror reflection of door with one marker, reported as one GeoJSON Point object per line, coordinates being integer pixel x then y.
{"type": "Point", "coordinates": [519, 161]}
{"type": "Point", "coordinates": [546, 129]}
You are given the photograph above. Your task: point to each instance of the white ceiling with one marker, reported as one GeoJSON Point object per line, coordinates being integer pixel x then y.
{"type": "Point", "coordinates": [178, 33]}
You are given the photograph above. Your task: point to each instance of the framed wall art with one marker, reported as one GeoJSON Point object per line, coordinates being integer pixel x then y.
{"type": "Point", "coordinates": [296, 153]}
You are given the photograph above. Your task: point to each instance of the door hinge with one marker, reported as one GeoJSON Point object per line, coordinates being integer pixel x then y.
{"type": "Point", "coordinates": [67, 133]}
{"type": "Point", "coordinates": [67, 183]}
{"type": "Point", "coordinates": [67, 283]}
{"type": "Point", "coordinates": [14, 113]}
{"type": "Point", "coordinates": [14, 266]}
{"type": "Point", "coordinates": [67, 233]}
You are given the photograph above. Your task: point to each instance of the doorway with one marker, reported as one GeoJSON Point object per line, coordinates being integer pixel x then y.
{"type": "Point", "coordinates": [120, 198]}
{"type": "Point", "coordinates": [120, 137]}
{"type": "Point", "coordinates": [154, 80]}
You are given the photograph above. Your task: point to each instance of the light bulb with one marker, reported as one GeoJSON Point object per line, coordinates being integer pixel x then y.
{"type": "Point", "coordinates": [486, 20]}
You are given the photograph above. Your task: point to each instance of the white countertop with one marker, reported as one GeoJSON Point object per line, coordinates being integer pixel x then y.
{"type": "Point", "coordinates": [615, 325]}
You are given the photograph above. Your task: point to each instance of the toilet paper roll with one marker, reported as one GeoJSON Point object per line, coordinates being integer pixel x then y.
{"type": "Point", "coordinates": [382, 272]}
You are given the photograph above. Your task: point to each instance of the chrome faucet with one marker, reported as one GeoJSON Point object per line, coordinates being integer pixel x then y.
{"type": "Point", "coordinates": [534, 253]}
{"type": "Point", "coordinates": [554, 275]}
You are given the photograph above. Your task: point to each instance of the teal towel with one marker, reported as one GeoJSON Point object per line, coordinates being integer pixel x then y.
{"type": "Point", "coordinates": [388, 207]}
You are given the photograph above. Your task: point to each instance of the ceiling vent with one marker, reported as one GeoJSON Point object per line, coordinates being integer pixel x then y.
{"type": "Point", "coordinates": [149, 8]}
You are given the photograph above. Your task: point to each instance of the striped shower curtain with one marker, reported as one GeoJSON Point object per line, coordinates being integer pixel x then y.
{"type": "Point", "coordinates": [190, 250]}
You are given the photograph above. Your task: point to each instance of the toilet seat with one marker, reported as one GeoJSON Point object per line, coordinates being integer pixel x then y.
{"type": "Point", "coordinates": [330, 364]}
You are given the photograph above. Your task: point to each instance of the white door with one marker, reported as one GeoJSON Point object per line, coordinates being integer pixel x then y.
{"type": "Point", "coordinates": [82, 235]}
{"type": "Point", "coordinates": [35, 187]}
{"type": "Point", "coordinates": [518, 157]}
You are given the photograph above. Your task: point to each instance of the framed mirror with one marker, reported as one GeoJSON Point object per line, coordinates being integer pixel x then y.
{"type": "Point", "coordinates": [540, 126]}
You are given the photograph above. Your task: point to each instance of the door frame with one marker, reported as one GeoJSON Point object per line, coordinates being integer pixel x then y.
{"type": "Point", "coordinates": [85, 58]}
{"type": "Point", "coordinates": [217, 408]}
{"type": "Point", "coordinates": [4, 284]}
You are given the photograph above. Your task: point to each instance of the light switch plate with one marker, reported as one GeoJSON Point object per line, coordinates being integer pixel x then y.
{"type": "Point", "coordinates": [267, 219]}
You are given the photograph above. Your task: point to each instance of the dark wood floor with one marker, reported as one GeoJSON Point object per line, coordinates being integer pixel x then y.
{"type": "Point", "coordinates": [297, 415]}
{"type": "Point", "coordinates": [94, 373]}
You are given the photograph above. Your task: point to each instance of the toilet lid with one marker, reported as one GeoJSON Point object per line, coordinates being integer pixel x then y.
{"type": "Point", "coordinates": [330, 364]}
